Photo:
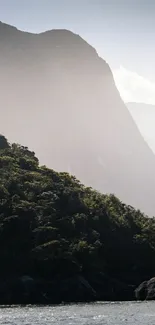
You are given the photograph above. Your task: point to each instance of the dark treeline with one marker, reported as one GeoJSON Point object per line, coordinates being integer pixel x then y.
{"type": "Point", "coordinates": [61, 241]}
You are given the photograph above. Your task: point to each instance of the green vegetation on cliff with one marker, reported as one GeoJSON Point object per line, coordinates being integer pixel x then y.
{"type": "Point", "coordinates": [53, 228]}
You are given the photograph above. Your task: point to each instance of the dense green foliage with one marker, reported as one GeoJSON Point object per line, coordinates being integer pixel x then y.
{"type": "Point", "coordinates": [52, 226]}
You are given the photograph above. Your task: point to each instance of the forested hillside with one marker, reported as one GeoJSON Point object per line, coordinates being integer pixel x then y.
{"type": "Point", "coordinates": [61, 241]}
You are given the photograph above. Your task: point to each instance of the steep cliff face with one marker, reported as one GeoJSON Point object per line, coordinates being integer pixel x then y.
{"type": "Point", "coordinates": [59, 97]}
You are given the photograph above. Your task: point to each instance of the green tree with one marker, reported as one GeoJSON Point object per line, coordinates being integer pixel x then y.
{"type": "Point", "coordinates": [3, 142]}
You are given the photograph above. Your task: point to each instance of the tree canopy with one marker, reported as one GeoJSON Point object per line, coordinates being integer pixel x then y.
{"type": "Point", "coordinates": [53, 226]}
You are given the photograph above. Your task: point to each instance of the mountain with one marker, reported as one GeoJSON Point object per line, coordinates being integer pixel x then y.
{"type": "Point", "coordinates": [59, 98]}
{"type": "Point", "coordinates": [144, 116]}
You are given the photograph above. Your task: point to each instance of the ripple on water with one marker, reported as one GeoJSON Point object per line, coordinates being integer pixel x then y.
{"type": "Point", "coordinates": [121, 313]}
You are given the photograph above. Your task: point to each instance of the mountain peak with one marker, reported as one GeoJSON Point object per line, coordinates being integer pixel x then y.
{"type": "Point", "coordinates": [62, 39]}
{"type": "Point", "coordinates": [63, 34]}
{"type": "Point", "coordinates": [65, 37]}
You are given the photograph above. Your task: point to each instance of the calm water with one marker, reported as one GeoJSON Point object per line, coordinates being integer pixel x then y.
{"type": "Point", "coordinates": [89, 314]}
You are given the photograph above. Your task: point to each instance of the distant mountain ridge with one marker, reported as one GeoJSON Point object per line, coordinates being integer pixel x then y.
{"type": "Point", "coordinates": [144, 115]}
{"type": "Point", "coordinates": [59, 98]}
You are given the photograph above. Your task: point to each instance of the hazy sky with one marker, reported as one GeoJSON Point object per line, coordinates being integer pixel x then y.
{"type": "Point", "coordinates": [122, 31]}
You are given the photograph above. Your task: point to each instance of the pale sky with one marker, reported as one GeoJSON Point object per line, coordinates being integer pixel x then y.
{"type": "Point", "coordinates": [122, 31]}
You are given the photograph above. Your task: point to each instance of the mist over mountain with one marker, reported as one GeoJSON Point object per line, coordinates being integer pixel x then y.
{"type": "Point", "coordinates": [144, 116]}
{"type": "Point", "coordinates": [59, 98]}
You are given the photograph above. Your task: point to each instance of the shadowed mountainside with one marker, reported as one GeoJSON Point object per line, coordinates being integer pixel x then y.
{"type": "Point", "coordinates": [59, 97]}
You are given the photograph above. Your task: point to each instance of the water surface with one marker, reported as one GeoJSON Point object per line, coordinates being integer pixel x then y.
{"type": "Point", "coordinates": [130, 313]}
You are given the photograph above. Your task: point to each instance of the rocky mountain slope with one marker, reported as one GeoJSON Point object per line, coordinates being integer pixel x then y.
{"type": "Point", "coordinates": [59, 98]}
